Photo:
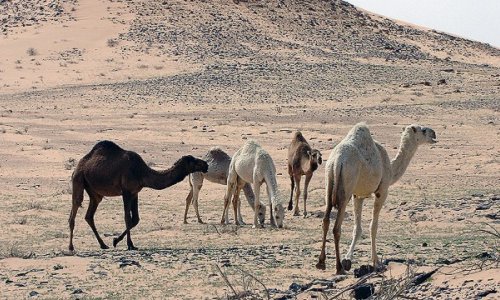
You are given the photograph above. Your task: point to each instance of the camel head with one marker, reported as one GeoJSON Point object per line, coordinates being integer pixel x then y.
{"type": "Point", "coordinates": [193, 164]}
{"type": "Point", "coordinates": [278, 214]}
{"type": "Point", "coordinates": [421, 135]}
{"type": "Point", "coordinates": [315, 158]}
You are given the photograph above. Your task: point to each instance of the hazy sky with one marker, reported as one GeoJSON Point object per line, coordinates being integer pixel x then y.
{"type": "Point", "coordinates": [473, 19]}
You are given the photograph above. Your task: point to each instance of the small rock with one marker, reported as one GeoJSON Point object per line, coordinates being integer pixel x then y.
{"type": "Point", "coordinates": [493, 216]}
{"type": "Point", "coordinates": [441, 81]}
{"type": "Point", "coordinates": [77, 291]}
{"type": "Point", "coordinates": [486, 293]}
{"type": "Point", "coordinates": [33, 293]}
{"type": "Point", "coordinates": [295, 287]}
{"type": "Point", "coordinates": [424, 244]}
{"type": "Point", "coordinates": [363, 270]}
{"type": "Point", "coordinates": [58, 267]}
{"type": "Point", "coordinates": [129, 262]}
{"type": "Point", "coordinates": [363, 291]}
{"type": "Point", "coordinates": [484, 206]}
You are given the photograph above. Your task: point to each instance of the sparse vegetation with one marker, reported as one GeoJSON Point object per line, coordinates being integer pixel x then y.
{"type": "Point", "coordinates": [31, 51]}
{"type": "Point", "coordinates": [112, 43]}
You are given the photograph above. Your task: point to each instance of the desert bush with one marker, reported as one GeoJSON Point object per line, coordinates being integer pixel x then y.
{"type": "Point", "coordinates": [112, 43]}
{"type": "Point", "coordinates": [31, 51]}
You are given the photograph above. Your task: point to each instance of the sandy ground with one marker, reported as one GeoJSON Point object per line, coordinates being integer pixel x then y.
{"type": "Point", "coordinates": [55, 105]}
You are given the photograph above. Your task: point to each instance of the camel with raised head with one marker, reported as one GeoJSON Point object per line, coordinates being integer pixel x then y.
{"type": "Point", "coordinates": [302, 160]}
{"type": "Point", "coordinates": [359, 166]}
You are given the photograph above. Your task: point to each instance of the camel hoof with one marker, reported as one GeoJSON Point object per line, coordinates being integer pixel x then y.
{"type": "Point", "coordinates": [304, 215]}
{"type": "Point", "coordinates": [185, 222]}
{"type": "Point", "coordinates": [104, 246]}
{"type": "Point", "coordinates": [341, 272]}
{"type": "Point", "coordinates": [346, 264]}
{"type": "Point", "coordinates": [321, 265]}
{"type": "Point", "coordinates": [296, 213]}
{"type": "Point", "coordinates": [71, 248]}
{"type": "Point", "coordinates": [290, 207]}
{"type": "Point", "coordinates": [115, 242]}
{"type": "Point", "coordinates": [200, 221]}
{"type": "Point", "coordinates": [242, 223]}
{"type": "Point", "coordinates": [258, 226]}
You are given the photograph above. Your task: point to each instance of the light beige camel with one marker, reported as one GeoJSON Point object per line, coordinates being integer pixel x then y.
{"type": "Point", "coordinates": [359, 166]}
{"type": "Point", "coordinates": [218, 167]}
{"type": "Point", "coordinates": [302, 160]}
{"type": "Point", "coordinates": [252, 164]}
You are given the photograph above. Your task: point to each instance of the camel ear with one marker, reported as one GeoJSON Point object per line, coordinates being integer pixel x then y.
{"type": "Point", "coordinates": [414, 129]}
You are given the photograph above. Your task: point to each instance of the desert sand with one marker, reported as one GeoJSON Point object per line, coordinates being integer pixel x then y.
{"type": "Point", "coordinates": [170, 78]}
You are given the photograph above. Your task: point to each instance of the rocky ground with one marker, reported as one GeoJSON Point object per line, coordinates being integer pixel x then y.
{"type": "Point", "coordinates": [168, 78]}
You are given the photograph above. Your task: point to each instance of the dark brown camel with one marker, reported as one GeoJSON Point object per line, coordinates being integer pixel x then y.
{"type": "Point", "coordinates": [302, 160]}
{"type": "Point", "coordinates": [108, 170]}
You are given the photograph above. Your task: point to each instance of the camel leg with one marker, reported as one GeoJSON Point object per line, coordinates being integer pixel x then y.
{"type": "Point", "coordinates": [292, 183]}
{"type": "Point", "coordinates": [271, 206]}
{"type": "Point", "coordinates": [247, 189]}
{"type": "Point", "coordinates": [236, 199]}
{"type": "Point", "coordinates": [72, 216]}
{"type": "Point", "coordinates": [89, 216]}
{"type": "Point", "coordinates": [134, 210]}
{"type": "Point", "coordinates": [306, 185]}
{"type": "Point", "coordinates": [356, 234]}
{"type": "Point", "coordinates": [77, 199]}
{"type": "Point", "coordinates": [326, 224]}
{"type": "Point", "coordinates": [297, 194]}
{"type": "Point", "coordinates": [377, 206]}
{"type": "Point", "coordinates": [196, 193]}
{"type": "Point", "coordinates": [232, 179]}
{"type": "Point", "coordinates": [195, 184]}
{"type": "Point", "coordinates": [188, 202]}
{"type": "Point", "coordinates": [240, 186]}
{"type": "Point", "coordinates": [130, 207]}
{"type": "Point", "coordinates": [256, 190]}
{"type": "Point", "coordinates": [337, 229]}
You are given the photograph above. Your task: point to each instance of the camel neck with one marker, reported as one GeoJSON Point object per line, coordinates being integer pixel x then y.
{"type": "Point", "coordinates": [272, 185]}
{"type": "Point", "coordinates": [160, 180]}
{"type": "Point", "coordinates": [407, 149]}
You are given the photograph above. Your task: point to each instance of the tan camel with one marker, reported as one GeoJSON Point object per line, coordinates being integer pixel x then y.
{"type": "Point", "coordinates": [108, 170]}
{"type": "Point", "coordinates": [218, 167]}
{"type": "Point", "coordinates": [359, 166]}
{"type": "Point", "coordinates": [302, 160]}
{"type": "Point", "coordinates": [252, 164]}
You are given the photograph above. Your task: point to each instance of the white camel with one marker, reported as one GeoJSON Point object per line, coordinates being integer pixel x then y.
{"type": "Point", "coordinates": [218, 167]}
{"type": "Point", "coordinates": [359, 166]}
{"type": "Point", "coordinates": [252, 164]}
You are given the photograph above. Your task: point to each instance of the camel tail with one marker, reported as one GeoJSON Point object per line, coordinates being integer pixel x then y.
{"type": "Point", "coordinates": [78, 187]}
{"type": "Point", "coordinates": [338, 189]}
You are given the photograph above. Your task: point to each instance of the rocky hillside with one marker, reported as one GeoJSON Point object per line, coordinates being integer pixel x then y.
{"type": "Point", "coordinates": [257, 48]}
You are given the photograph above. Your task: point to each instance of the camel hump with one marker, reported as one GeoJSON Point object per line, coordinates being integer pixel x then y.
{"type": "Point", "coordinates": [107, 146]}
{"type": "Point", "coordinates": [299, 137]}
{"type": "Point", "coordinates": [217, 153]}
